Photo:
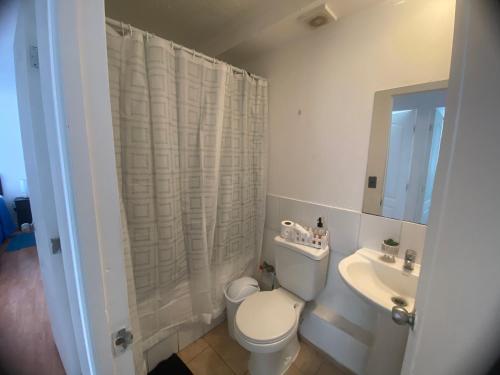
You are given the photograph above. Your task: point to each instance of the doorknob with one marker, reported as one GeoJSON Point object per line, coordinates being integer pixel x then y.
{"type": "Point", "coordinates": [402, 317]}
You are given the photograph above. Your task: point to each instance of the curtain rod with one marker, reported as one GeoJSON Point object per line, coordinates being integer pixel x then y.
{"type": "Point", "coordinates": [124, 28]}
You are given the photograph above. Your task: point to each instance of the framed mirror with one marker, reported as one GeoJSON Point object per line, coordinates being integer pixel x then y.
{"type": "Point", "coordinates": [407, 126]}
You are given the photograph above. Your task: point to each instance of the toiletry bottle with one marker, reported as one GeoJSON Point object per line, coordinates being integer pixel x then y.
{"type": "Point", "coordinates": [319, 231]}
{"type": "Point", "coordinates": [319, 234]}
{"type": "Point", "coordinates": [319, 228]}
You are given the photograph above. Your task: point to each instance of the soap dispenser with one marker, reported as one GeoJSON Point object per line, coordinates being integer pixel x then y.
{"type": "Point", "coordinates": [319, 227]}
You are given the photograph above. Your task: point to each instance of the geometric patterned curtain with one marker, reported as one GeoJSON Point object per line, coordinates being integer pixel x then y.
{"type": "Point", "coordinates": [190, 143]}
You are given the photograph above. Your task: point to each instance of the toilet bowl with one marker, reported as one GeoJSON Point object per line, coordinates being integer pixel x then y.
{"type": "Point", "coordinates": [266, 324]}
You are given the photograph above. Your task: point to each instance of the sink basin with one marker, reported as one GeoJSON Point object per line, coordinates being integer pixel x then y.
{"type": "Point", "coordinates": [384, 284]}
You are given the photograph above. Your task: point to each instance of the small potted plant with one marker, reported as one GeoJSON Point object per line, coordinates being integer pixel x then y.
{"type": "Point", "coordinates": [390, 248]}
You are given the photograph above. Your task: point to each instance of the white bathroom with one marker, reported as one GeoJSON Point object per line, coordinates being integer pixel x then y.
{"type": "Point", "coordinates": [273, 188]}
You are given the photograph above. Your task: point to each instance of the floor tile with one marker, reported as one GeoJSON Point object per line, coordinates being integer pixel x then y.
{"type": "Point", "coordinates": [217, 335]}
{"type": "Point", "coordinates": [309, 359]}
{"type": "Point", "coordinates": [208, 363]}
{"type": "Point", "coordinates": [193, 349]}
{"type": "Point", "coordinates": [235, 357]}
{"type": "Point", "coordinates": [328, 368]}
{"type": "Point", "coordinates": [223, 354]}
{"type": "Point", "coordinates": [292, 371]}
{"type": "Point", "coordinates": [233, 354]}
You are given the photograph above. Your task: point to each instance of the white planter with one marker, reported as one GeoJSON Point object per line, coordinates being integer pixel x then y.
{"type": "Point", "coordinates": [390, 252]}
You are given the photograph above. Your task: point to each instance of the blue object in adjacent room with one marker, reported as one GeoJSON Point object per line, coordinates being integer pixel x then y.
{"type": "Point", "coordinates": [21, 241]}
{"type": "Point", "coordinates": [7, 226]}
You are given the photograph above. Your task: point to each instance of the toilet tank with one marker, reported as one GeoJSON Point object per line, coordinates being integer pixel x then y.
{"type": "Point", "coordinates": [300, 269]}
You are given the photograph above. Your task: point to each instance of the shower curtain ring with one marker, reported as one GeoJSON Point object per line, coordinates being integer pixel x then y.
{"type": "Point", "coordinates": [123, 30]}
{"type": "Point", "coordinates": [130, 29]}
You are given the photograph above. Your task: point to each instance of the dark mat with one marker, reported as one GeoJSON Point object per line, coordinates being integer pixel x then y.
{"type": "Point", "coordinates": [173, 365]}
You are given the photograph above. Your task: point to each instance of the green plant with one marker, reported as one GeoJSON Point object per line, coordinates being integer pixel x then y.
{"type": "Point", "coordinates": [391, 242]}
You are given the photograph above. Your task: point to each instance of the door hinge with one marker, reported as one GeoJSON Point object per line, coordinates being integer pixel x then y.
{"type": "Point", "coordinates": [121, 339]}
{"type": "Point", "coordinates": [56, 245]}
{"type": "Point", "coordinates": [34, 56]}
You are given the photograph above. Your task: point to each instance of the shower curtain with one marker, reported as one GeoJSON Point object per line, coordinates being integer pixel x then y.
{"type": "Point", "coordinates": [190, 142]}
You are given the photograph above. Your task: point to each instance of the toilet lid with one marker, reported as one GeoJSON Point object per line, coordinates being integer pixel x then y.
{"type": "Point", "coordinates": [266, 317]}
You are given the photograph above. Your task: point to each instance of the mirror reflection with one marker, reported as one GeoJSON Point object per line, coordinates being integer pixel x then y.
{"type": "Point", "coordinates": [407, 127]}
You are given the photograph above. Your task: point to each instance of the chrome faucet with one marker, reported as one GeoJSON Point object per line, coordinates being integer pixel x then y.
{"type": "Point", "coordinates": [410, 258]}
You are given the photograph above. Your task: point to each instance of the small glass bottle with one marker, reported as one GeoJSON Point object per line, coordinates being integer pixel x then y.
{"type": "Point", "coordinates": [320, 231]}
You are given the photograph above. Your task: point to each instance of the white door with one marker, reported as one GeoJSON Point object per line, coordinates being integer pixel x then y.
{"type": "Point", "coordinates": [398, 163]}
{"type": "Point", "coordinates": [36, 156]}
{"type": "Point", "coordinates": [76, 102]}
{"type": "Point", "coordinates": [418, 170]}
{"type": "Point", "coordinates": [458, 298]}
{"type": "Point", "coordinates": [437, 130]}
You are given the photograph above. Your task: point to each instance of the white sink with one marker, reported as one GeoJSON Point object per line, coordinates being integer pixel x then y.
{"type": "Point", "coordinates": [378, 281]}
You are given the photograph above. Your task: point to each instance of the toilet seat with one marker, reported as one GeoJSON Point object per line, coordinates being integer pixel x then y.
{"type": "Point", "coordinates": [266, 318]}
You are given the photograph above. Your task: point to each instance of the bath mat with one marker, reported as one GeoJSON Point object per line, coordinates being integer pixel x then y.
{"type": "Point", "coordinates": [20, 241]}
{"type": "Point", "coordinates": [170, 366]}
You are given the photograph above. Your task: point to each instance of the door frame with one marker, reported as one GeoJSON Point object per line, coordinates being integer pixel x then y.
{"type": "Point", "coordinates": [441, 182]}
{"type": "Point", "coordinates": [38, 173]}
{"type": "Point", "coordinates": [74, 81]}
{"type": "Point", "coordinates": [73, 63]}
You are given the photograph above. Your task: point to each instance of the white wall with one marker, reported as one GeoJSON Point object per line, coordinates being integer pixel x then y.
{"type": "Point", "coordinates": [330, 77]}
{"type": "Point", "coordinates": [321, 97]}
{"type": "Point", "coordinates": [11, 152]}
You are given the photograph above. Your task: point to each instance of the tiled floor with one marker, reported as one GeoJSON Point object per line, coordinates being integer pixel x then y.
{"type": "Point", "coordinates": [217, 354]}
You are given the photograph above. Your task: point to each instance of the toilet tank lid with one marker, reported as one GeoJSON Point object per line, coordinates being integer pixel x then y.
{"type": "Point", "coordinates": [308, 251]}
{"type": "Point", "coordinates": [241, 288]}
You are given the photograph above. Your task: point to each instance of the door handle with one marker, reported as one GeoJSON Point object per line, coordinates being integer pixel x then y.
{"type": "Point", "coordinates": [402, 317]}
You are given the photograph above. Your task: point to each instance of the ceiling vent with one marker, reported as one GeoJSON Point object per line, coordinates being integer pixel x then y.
{"type": "Point", "coordinates": [318, 16]}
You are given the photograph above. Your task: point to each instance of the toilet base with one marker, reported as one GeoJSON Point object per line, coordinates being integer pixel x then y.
{"type": "Point", "coordinates": [275, 363]}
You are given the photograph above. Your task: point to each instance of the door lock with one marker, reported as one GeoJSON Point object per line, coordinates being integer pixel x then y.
{"type": "Point", "coordinates": [122, 339]}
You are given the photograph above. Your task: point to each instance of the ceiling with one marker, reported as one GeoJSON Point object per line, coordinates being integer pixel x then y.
{"type": "Point", "coordinates": [218, 26]}
{"type": "Point", "coordinates": [183, 21]}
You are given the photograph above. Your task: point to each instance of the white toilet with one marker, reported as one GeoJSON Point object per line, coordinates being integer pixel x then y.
{"type": "Point", "coordinates": [266, 323]}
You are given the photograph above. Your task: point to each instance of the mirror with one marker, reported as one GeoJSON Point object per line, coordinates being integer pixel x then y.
{"type": "Point", "coordinates": [407, 126]}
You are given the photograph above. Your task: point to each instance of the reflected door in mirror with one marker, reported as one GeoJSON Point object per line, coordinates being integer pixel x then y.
{"type": "Point", "coordinates": [407, 126]}
{"type": "Point", "coordinates": [399, 163]}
